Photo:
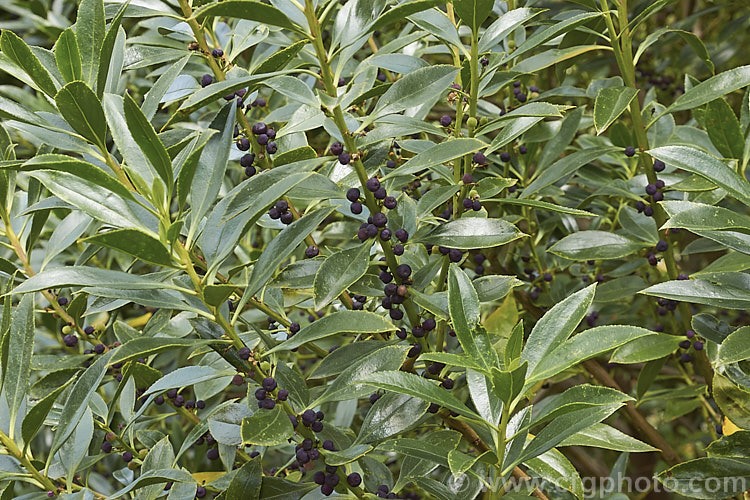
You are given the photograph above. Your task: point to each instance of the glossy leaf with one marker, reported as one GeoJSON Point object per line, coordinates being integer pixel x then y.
{"type": "Point", "coordinates": [473, 12]}
{"type": "Point", "coordinates": [646, 349]}
{"type": "Point", "coordinates": [83, 111]}
{"type": "Point", "coordinates": [418, 387]}
{"type": "Point", "coordinates": [247, 482]}
{"type": "Point", "coordinates": [412, 89]}
{"type": "Point", "coordinates": [438, 154]}
{"type": "Point", "coordinates": [701, 291]}
{"type": "Point", "coordinates": [467, 233]}
{"type": "Point", "coordinates": [137, 243]}
{"type": "Point", "coordinates": [610, 103]}
{"type": "Point", "coordinates": [338, 322]}
{"type": "Point", "coordinates": [556, 326]}
{"type": "Point", "coordinates": [18, 364]}
{"type": "Point", "coordinates": [67, 56]}
{"type": "Point", "coordinates": [338, 272]}
{"type": "Point", "coordinates": [77, 402]}
{"type": "Point", "coordinates": [463, 304]}
{"type": "Point", "coordinates": [15, 48]}
{"type": "Point", "coordinates": [246, 9]}
{"type": "Point", "coordinates": [709, 478]}
{"type": "Point", "coordinates": [281, 246]}
{"type": "Point", "coordinates": [564, 167]}
{"type": "Point", "coordinates": [145, 136]}
{"type": "Point", "coordinates": [587, 245]}
{"type": "Point", "coordinates": [736, 347]}
{"type": "Point", "coordinates": [267, 427]}
{"type": "Point", "coordinates": [696, 161]}
{"type": "Point", "coordinates": [90, 32]}
{"type": "Point", "coordinates": [713, 88]}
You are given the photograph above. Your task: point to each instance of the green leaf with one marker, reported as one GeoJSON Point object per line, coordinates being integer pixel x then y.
{"type": "Point", "coordinates": [391, 414]}
{"type": "Point", "coordinates": [18, 364]}
{"type": "Point", "coordinates": [585, 345]}
{"type": "Point", "coordinates": [35, 417]}
{"type": "Point", "coordinates": [95, 200]}
{"type": "Point", "coordinates": [155, 94]}
{"type": "Point", "coordinates": [696, 161]}
{"type": "Point", "coordinates": [473, 232]}
{"type": "Point", "coordinates": [565, 426]}
{"type": "Point", "coordinates": [78, 402]}
{"type": "Point", "coordinates": [473, 12]}
{"type": "Point", "coordinates": [422, 449]}
{"type": "Point", "coordinates": [246, 9]}
{"type": "Point", "coordinates": [105, 53]}
{"type": "Point", "coordinates": [512, 131]}
{"type": "Point", "coordinates": [20, 53]}
{"type": "Point", "coordinates": [564, 167]}
{"type": "Point", "coordinates": [709, 478]}
{"type": "Point", "coordinates": [187, 375]}
{"type": "Point", "coordinates": [552, 56]}
{"type": "Point", "coordinates": [736, 347]}
{"type": "Point", "coordinates": [646, 349]}
{"type": "Point", "coordinates": [142, 347]}
{"type": "Point", "coordinates": [503, 26]}
{"type": "Point", "coordinates": [350, 454]}
{"type": "Point", "coordinates": [279, 59]}
{"type": "Point", "coordinates": [338, 272]}
{"type": "Point", "coordinates": [723, 128]}
{"type": "Point", "coordinates": [207, 178]}
{"type": "Point", "coordinates": [588, 245]}
{"type": "Point", "coordinates": [67, 56]}
{"type": "Point", "coordinates": [219, 89]}
{"type": "Point", "coordinates": [63, 277]}
{"type": "Point", "coordinates": [610, 103]}
{"type": "Point", "coordinates": [733, 400]}
{"type": "Point", "coordinates": [400, 12]}
{"type": "Point", "coordinates": [713, 88]}
{"type": "Point", "coordinates": [90, 32]}
{"type": "Point", "coordinates": [546, 206]}
{"type": "Point", "coordinates": [437, 155]}
{"type": "Point", "coordinates": [267, 427]}
{"type": "Point", "coordinates": [696, 216]}
{"type": "Point", "coordinates": [146, 138]}
{"type": "Point", "coordinates": [603, 436]}
{"type": "Point", "coordinates": [335, 323]}
{"type": "Point", "coordinates": [412, 89]}
{"type": "Point", "coordinates": [463, 305]}
{"type": "Point", "coordinates": [280, 247]}
{"type": "Point", "coordinates": [136, 243]}
{"type": "Point", "coordinates": [544, 35]}
{"type": "Point", "coordinates": [83, 111]}
{"type": "Point", "coordinates": [556, 326]}
{"type": "Point", "coordinates": [154, 477]}
{"type": "Point", "coordinates": [345, 386]}
{"type": "Point", "coordinates": [414, 385]}
{"type": "Point", "coordinates": [553, 467]}
{"type": "Point", "coordinates": [247, 482]}
{"type": "Point", "coordinates": [699, 291]}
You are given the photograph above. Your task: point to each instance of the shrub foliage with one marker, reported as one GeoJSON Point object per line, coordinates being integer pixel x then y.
{"type": "Point", "coordinates": [405, 249]}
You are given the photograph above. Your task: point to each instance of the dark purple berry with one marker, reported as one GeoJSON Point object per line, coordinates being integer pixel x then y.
{"type": "Point", "coordinates": [243, 144]}
{"type": "Point", "coordinates": [287, 218]}
{"type": "Point", "coordinates": [217, 52]}
{"type": "Point", "coordinates": [336, 148]}
{"type": "Point", "coordinates": [269, 383]}
{"type": "Point", "coordinates": [402, 235]}
{"type": "Point", "coordinates": [698, 345]}
{"type": "Point", "coordinates": [356, 208]}
{"type": "Point", "coordinates": [659, 166]}
{"type": "Point", "coordinates": [505, 156]}
{"type": "Point", "coordinates": [373, 184]}
{"type": "Point", "coordinates": [445, 120]}
{"type": "Point", "coordinates": [243, 353]}
{"type": "Point", "coordinates": [661, 246]}
{"type": "Point", "coordinates": [479, 159]}
{"type": "Point", "coordinates": [200, 492]}
{"type": "Point", "coordinates": [629, 151]}
{"type": "Point", "coordinates": [127, 456]}
{"type": "Point", "coordinates": [345, 158]}
{"type": "Point", "coordinates": [238, 379]}
{"type": "Point", "coordinates": [311, 251]}
{"type": "Point", "coordinates": [63, 301]}
{"type": "Point", "coordinates": [271, 148]}
{"type": "Point", "coordinates": [260, 128]}
{"type": "Point", "coordinates": [70, 340]}
{"type": "Point", "coordinates": [389, 202]}
{"type": "Point", "coordinates": [107, 447]}
{"type": "Point", "coordinates": [354, 479]}
{"type": "Point", "coordinates": [353, 194]}
{"type": "Point", "coordinates": [390, 164]}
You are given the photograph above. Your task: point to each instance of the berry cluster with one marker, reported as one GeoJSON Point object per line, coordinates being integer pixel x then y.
{"type": "Point", "coordinates": [268, 385]}
{"type": "Point", "coordinates": [281, 212]}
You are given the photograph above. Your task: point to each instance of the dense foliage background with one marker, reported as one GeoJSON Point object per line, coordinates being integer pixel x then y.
{"type": "Point", "coordinates": [374, 249]}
